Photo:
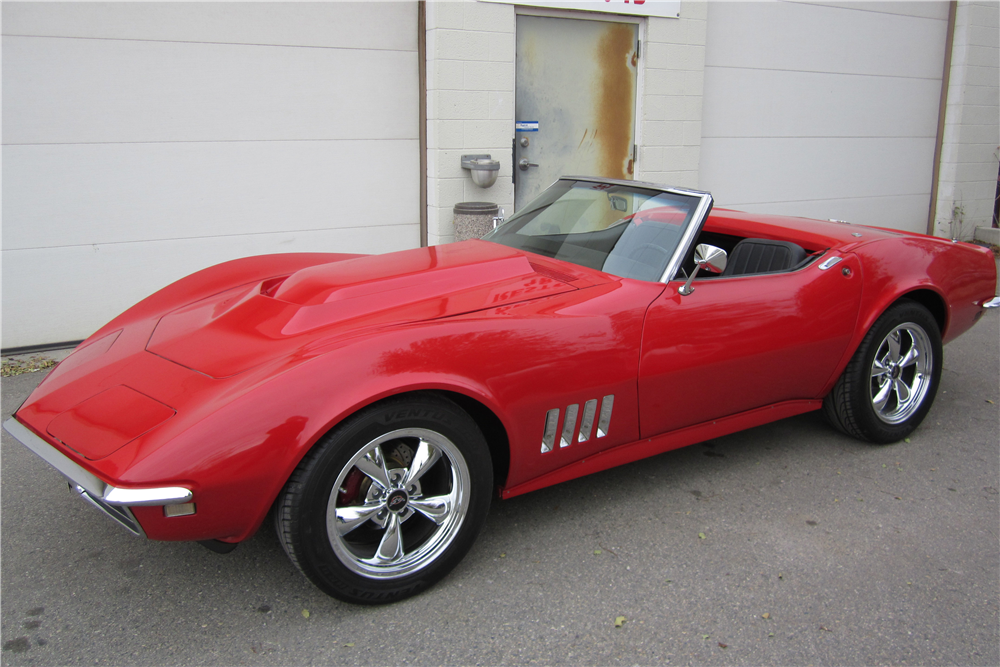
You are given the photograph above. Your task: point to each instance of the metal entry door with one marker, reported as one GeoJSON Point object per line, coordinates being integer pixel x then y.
{"type": "Point", "coordinates": [574, 103]}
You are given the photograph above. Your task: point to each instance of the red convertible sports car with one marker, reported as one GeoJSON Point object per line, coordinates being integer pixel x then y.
{"type": "Point", "coordinates": [371, 406]}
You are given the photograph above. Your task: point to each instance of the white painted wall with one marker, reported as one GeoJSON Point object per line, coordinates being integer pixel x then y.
{"type": "Point", "coordinates": [143, 141]}
{"type": "Point", "coordinates": [824, 109]}
{"type": "Point", "coordinates": [971, 147]}
{"type": "Point", "coordinates": [670, 124]}
{"type": "Point", "coordinates": [470, 106]}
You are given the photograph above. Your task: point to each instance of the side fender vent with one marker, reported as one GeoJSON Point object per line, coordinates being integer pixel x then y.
{"type": "Point", "coordinates": [570, 423]}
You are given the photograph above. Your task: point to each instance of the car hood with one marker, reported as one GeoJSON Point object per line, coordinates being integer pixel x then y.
{"type": "Point", "coordinates": [243, 327]}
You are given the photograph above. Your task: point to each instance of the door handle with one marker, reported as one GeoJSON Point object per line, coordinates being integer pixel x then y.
{"type": "Point", "coordinates": [524, 164]}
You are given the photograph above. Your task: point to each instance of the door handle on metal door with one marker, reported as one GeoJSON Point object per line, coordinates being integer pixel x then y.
{"type": "Point", "coordinates": [524, 164]}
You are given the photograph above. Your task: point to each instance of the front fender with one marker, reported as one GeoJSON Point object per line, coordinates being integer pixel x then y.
{"type": "Point", "coordinates": [519, 361]}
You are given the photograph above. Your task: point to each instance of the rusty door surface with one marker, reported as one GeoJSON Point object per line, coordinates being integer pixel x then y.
{"type": "Point", "coordinates": [574, 104]}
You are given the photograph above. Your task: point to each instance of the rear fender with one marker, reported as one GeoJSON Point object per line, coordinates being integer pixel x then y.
{"type": "Point", "coordinates": [952, 279]}
{"type": "Point", "coordinates": [961, 275]}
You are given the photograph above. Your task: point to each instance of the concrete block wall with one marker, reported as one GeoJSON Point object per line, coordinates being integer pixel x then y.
{"type": "Point", "coordinates": [670, 105]}
{"type": "Point", "coordinates": [470, 102]}
{"type": "Point", "coordinates": [470, 106]}
{"type": "Point", "coordinates": [971, 147]}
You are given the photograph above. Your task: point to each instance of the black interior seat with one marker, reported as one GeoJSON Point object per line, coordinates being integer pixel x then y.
{"type": "Point", "coordinates": [752, 256]}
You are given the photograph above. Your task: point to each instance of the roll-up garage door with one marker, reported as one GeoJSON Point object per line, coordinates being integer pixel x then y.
{"type": "Point", "coordinates": [144, 141]}
{"type": "Point", "coordinates": [824, 110]}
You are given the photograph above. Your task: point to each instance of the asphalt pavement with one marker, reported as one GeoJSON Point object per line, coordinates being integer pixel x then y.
{"type": "Point", "coordinates": [788, 544]}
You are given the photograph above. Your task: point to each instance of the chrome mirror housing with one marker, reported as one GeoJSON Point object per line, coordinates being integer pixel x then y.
{"type": "Point", "coordinates": [706, 257]}
{"type": "Point", "coordinates": [710, 258]}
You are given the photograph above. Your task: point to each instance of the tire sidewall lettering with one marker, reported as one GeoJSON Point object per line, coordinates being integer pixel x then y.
{"type": "Point", "coordinates": [418, 416]}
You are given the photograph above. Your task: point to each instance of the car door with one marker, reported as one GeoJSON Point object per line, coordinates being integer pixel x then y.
{"type": "Point", "coordinates": [739, 343]}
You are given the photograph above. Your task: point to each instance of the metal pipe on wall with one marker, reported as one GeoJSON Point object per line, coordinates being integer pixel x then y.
{"type": "Point", "coordinates": [422, 113]}
{"type": "Point", "coordinates": [942, 110]}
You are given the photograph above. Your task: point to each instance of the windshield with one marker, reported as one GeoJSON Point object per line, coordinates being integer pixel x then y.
{"type": "Point", "coordinates": [624, 230]}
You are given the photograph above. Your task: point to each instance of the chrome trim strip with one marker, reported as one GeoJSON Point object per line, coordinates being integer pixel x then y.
{"type": "Point", "coordinates": [569, 426]}
{"type": "Point", "coordinates": [693, 228]}
{"type": "Point", "coordinates": [607, 404]}
{"type": "Point", "coordinates": [549, 436]}
{"type": "Point", "coordinates": [69, 468]}
{"type": "Point", "coordinates": [85, 479]}
{"type": "Point", "coordinates": [645, 185]}
{"type": "Point", "coordinates": [168, 495]}
{"type": "Point", "coordinates": [829, 262]}
{"type": "Point", "coordinates": [587, 424]}
{"type": "Point", "coordinates": [992, 303]}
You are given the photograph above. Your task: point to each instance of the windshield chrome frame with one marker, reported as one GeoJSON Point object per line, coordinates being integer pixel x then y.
{"type": "Point", "coordinates": [687, 238]}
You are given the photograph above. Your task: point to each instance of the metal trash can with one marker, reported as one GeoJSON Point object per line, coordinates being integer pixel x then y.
{"type": "Point", "coordinates": [473, 219]}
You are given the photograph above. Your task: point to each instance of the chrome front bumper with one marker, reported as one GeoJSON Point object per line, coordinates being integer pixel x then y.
{"type": "Point", "coordinates": [121, 515]}
{"type": "Point", "coordinates": [992, 303]}
{"type": "Point", "coordinates": [113, 501]}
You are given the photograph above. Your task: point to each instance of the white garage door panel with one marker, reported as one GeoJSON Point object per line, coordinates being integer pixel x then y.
{"type": "Point", "coordinates": [58, 294]}
{"type": "Point", "coordinates": [81, 194]}
{"type": "Point", "coordinates": [88, 91]}
{"type": "Point", "coordinates": [337, 24]}
{"type": "Point", "coordinates": [907, 212]}
{"type": "Point", "coordinates": [145, 140]}
{"type": "Point", "coordinates": [767, 103]}
{"type": "Point", "coordinates": [804, 37]}
{"type": "Point", "coordinates": [747, 171]}
{"type": "Point", "coordinates": [825, 110]}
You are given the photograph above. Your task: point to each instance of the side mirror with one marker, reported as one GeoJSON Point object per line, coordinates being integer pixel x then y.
{"type": "Point", "coordinates": [706, 257]}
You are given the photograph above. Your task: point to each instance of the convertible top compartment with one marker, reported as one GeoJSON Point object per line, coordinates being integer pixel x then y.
{"type": "Point", "coordinates": [812, 235]}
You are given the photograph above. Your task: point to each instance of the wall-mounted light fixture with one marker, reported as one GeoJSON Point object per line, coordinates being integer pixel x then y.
{"type": "Point", "coordinates": [483, 167]}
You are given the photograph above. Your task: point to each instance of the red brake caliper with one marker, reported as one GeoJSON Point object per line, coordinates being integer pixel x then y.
{"type": "Point", "coordinates": [349, 491]}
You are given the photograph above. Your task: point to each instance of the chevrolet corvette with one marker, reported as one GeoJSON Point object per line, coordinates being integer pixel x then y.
{"type": "Point", "coordinates": [371, 406]}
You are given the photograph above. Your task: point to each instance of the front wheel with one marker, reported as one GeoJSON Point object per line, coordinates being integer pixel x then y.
{"type": "Point", "coordinates": [890, 383]}
{"type": "Point", "coordinates": [388, 502]}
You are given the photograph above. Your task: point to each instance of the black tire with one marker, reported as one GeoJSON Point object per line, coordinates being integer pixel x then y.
{"type": "Point", "coordinates": [892, 379]}
{"type": "Point", "coordinates": [389, 501]}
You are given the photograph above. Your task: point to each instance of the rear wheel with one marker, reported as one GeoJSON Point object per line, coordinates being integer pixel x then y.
{"type": "Point", "coordinates": [891, 381]}
{"type": "Point", "coordinates": [389, 501]}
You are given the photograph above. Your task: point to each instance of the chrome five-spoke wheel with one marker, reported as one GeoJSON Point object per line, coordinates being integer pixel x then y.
{"type": "Point", "coordinates": [398, 503]}
{"type": "Point", "coordinates": [899, 373]}
{"type": "Point", "coordinates": [890, 383]}
{"type": "Point", "coordinates": [389, 501]}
